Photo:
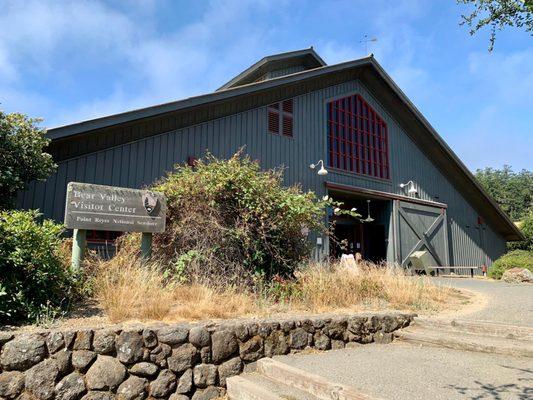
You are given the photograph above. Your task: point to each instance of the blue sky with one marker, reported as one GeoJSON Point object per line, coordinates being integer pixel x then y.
{"type": "Point", "coordinates": [70, 61]}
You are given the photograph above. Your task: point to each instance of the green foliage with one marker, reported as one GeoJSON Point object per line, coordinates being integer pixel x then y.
{"type": "Point", "coordinates": [33, 279]}
{"type": "Point", "coordinates": [526, 226]}
{"type": "Point", "coordinates": [228, 220]}
{"type": "Point", "coordinates": [279, 289]}
{"type": "Point", "coordinates": [21, 155]}
{"type": "Point", "coordinates": [513, 191]}
{"type": "Point", "coordinates": [178, 270]}
{"type": "Point", "coordinates": [498, 14]}
{"type": "Point", "coordinates": [513, 259]}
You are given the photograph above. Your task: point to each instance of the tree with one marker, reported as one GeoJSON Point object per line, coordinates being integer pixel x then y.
{"type": "Point", "coordinates": [498, 14]}
{"type": "Point", "coordinates": [22, 158]}
{"type": "Point", "coordinates": [526, 226]}
{"type": "Point", "coordinates": [512, 191]}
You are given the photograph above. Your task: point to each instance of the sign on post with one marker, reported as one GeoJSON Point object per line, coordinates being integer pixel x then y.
{"type": "Point", "coordinates": [109, 208]}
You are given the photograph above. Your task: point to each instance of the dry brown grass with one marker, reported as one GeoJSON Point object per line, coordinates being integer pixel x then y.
{"type": "Point", "coordinates": [130, 289]}
{"type": "Point", "coordinates": [326, 288]}
{"type": "Point", "coordinates": [197, 301]}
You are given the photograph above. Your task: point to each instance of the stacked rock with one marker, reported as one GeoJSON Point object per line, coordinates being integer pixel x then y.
{"type": "Point", "coordinates": [176, 362]}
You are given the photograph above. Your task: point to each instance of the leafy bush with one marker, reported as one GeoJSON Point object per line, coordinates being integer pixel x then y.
{"type": "Point", "coordinates": [513, 259]}
{"type": "Point", "coordinates": [526, 226]}
{"type": "Point", "coordinates": [33, 277]}
{"type": "Point", "coordinates": [23, 160]}
{"type": "Point", "coordinates": [228, 220]}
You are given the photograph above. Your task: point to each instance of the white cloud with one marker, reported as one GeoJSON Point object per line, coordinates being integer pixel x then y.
{"type": "Point", "coordinates": [498, 128]}
{"type": "Point", "coordinates": [37, 38]}
{"type": "Point", "coordinates": [506, 76]}
{"type": "Point", "coordinates": [36, 31]}
{"type": "Point", "coordinates": [8, 72]}
{"type": "Point", "coordinates": [32, 103]}
{"type": "Point", "coordinates": [150, 67]}
{"type": "Point", "coordinates": [398, 48]}
{"type": "Point", "coordinates": [157, 67]}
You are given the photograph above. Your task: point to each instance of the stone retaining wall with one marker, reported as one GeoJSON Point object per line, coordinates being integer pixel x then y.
{"type": "Point", "coordinates": [176, 362]}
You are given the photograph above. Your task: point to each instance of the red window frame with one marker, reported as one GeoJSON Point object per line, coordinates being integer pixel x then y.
{"type": "Point", "coordinates": [357, 138]}
{"type": "Point", "coordinates": [280, 118]}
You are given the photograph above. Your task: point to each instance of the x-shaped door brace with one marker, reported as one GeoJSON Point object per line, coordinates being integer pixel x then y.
{"type": "Point", "coordinates": [422, 237]}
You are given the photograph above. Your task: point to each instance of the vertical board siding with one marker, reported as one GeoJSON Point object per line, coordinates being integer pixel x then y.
{"type": "Point", "coordinates": [142, 162]}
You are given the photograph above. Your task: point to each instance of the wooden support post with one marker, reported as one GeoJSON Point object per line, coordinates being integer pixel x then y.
{"type": "Point", "coordinates": [146, 245]}
{"type": "Point", "coordinates": [78, 249]}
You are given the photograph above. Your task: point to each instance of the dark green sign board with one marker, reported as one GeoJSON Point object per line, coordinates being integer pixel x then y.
{"type": "Point", "coordinates": [109, 208]}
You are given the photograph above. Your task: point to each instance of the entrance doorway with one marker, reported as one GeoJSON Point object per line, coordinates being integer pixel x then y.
{"type": "Point", "coordinates": [375, 242]}
{"type": "Point", "coordinates": [367, 235]}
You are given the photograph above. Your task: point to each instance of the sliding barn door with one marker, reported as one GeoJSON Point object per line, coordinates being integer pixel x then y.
{"type": "Point", "coordinates": [420, 227]}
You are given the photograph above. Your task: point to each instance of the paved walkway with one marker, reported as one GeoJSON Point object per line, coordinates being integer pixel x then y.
{"type": "Point", "coordinates": [506, 303]}
{"type": "Point", "coordinates": [403, 371]}
{"type": "Point", "coordinates": [400, 371]}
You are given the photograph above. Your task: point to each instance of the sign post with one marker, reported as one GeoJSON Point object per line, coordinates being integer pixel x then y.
{"type": "Point", "coordinates": [146, 245]}
{"type": "Point", "coordinates": [78, 248]}
{"type": "Point", "coordinates": [108, 208]}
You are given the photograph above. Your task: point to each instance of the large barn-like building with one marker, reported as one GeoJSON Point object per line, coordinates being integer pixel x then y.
{"type": "Point", "coordinates": [292, 110]}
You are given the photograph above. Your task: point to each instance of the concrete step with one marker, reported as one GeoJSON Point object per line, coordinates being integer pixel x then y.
{"type": "Point", "coordinates": [254, 386]}
{"type": "Point", "coordinates": [483, 328]}
{"type": "Point", "coordinates": [466, 341]}
{"type": "Point", "coordinates": [240, 388]}
{"type": "Point", "coordinates": [312, 384]}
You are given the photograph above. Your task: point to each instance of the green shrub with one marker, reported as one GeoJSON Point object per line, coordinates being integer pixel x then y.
{"type": "Point", "coordinates": [526, 226]}
{"type": "Point", "coordinates": [34, 281]}
{"type": "Point", "coordinates": [513, 259]}
{"type": "Point", "coordinates": [227, 221]}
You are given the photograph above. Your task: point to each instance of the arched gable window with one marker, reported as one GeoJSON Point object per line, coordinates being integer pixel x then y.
{"type": "Point", "coordinates": [357, 138]}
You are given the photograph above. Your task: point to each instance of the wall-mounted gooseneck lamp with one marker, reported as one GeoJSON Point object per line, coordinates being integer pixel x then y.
{"type": "Point", "coordinates": [412, 190]}
{"type": "Point", "coordinates": [322, 171]}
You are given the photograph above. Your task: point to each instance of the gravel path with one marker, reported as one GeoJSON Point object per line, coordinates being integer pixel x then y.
{"type": "Point", "coordinates": [400, 371]}
{"type": "Point", "coordinates": [506, 303]}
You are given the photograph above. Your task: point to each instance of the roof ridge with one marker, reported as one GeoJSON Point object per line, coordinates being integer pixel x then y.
{"type": "Point", "coordinates": [307, 52]}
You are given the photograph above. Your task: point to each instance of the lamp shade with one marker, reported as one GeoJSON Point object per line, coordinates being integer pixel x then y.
{"type": "Point", "coordinates": [322, 171]}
